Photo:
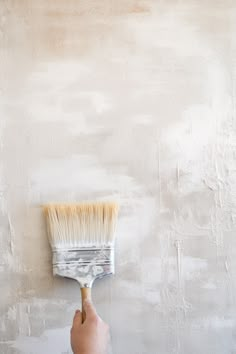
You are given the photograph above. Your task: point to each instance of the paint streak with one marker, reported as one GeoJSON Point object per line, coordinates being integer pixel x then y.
{"type": "Point", "coordinates": [11, 236]}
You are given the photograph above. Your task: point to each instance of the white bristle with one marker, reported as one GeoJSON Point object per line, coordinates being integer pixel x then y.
{"type": "Point", "coordinates": [81, 225]}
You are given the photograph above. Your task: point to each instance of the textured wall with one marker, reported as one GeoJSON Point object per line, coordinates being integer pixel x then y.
{"type": "Point", "coordinates": [134, 101]}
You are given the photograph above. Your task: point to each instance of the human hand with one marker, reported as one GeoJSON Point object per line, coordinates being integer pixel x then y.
{"type": "Point", "coordinates": [92, 336]}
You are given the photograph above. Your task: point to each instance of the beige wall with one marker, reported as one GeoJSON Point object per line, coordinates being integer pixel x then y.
{"type": "Point", "coordinates": [134, 101]}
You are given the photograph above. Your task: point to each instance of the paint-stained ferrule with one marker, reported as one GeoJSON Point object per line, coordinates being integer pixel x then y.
{"type": "Point", "coordinates": [83, 264]}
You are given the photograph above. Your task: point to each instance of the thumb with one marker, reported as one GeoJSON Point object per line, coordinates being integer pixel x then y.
{"type": "Point", "coordinates": [77, 320]}
{"type": "Point", "coordinates": [89, 309]}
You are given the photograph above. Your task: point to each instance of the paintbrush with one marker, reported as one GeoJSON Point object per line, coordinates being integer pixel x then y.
{"type": "Point", "coordinates": [82, 241]}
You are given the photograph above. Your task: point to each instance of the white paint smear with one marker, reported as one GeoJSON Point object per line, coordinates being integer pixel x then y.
{"type": "Point", "coordinates": [51, 341]}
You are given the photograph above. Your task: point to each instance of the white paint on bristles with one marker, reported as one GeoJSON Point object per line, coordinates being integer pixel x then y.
{"type": "Point", "coordinates": [81, 225]}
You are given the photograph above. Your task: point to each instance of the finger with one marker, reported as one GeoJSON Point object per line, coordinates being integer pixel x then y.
{"type": "Point", "coordinates": [89, 309]}
{"type": "Point", "coordinates": [77, 320]}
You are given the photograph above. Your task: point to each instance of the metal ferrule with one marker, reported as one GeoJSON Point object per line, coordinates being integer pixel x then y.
{"type": "Point", "coordinates": [84, 264]}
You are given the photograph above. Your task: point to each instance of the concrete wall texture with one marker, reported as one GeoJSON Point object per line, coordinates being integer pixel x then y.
{"type": "Point", "coordinates": [133, 101]}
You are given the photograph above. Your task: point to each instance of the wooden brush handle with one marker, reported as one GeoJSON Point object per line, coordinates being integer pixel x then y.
{"type": "Point", "coordinates": [85, 294]}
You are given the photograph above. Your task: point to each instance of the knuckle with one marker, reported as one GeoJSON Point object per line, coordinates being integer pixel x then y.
{"type": "Point", "coordinates": [96, 320]}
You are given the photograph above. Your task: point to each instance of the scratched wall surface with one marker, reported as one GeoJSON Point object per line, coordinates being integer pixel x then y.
{"type": "Point", "coordinates": [134, 101]}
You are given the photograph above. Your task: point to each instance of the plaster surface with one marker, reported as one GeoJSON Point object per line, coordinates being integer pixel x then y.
{"type": "Point", "coordinates": [133, 101]}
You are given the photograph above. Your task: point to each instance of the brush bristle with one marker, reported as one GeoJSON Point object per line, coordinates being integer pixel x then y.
{"type": "Point", "coordinates": [81, 225]}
